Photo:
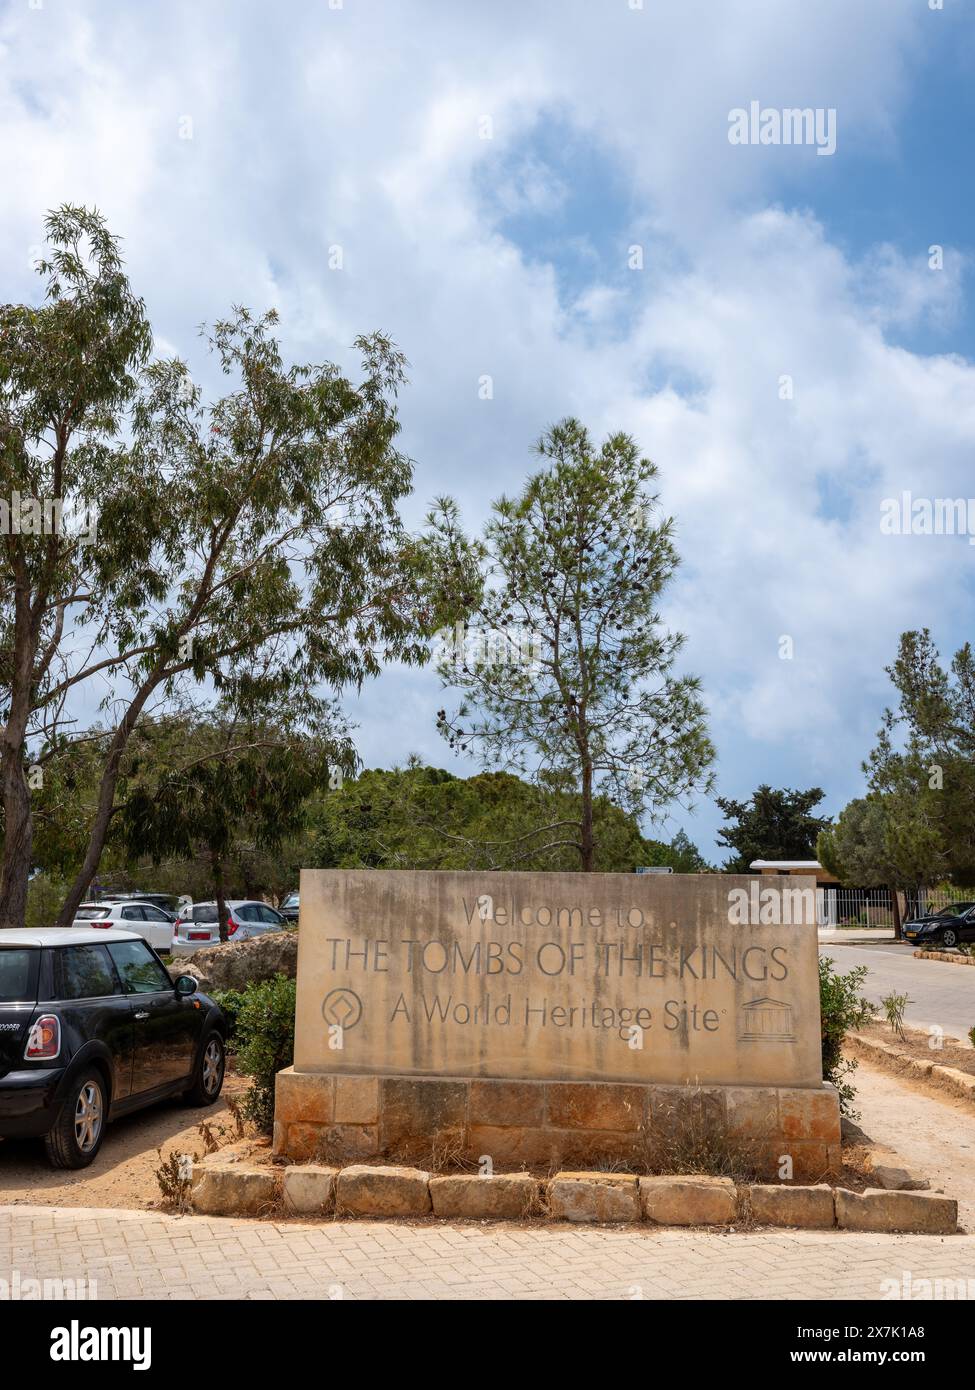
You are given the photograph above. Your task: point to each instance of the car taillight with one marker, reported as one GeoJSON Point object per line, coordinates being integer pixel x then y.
{"type": "Point", "coordinates": [231, 926]}
{"type": "Point", "coordinates": [44, 1039]}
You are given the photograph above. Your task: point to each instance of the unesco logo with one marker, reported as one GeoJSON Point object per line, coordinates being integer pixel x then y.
{"type": "Point", "coordinates": [342, 1007]}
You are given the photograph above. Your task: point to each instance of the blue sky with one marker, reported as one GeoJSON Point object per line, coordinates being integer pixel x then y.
{"type": "Point", "coordinates": [231, 144]}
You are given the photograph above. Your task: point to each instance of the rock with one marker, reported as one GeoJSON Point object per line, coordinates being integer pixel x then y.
{"type": "Point", "coordinates": [238, 964]}
{"type": "Point", "coordinates": [593, 1197]}
{"type": "Point", "coordinates": [810, 1208]}
{"type": "Point", "coordinates": [362, 1190]}
{"type": "Point", "coordinates": [877, 1210]}
{"type": "Point", "coordinates": [893, 1178]}
{"type": "Point", "coordinates": [234, 1190]}
{"type": "Point", "coordinates": [690, 1201]}
{"type": "Point", "coordinates": [852, 1133]}
{"type": "Point", "coordinates": [309, 1188]}
{"type": "Point", "coordinates": [500, 1197]}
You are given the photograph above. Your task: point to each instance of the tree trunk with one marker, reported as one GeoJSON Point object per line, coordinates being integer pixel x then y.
{"type": "Point", "coordinates": [18, 839]}
{"type": "Point", "coordinates": [106, 806]}
{"type": "Point", "coordinates": [218, 892]}
{"type": "Point", "coordinates": [898, 925]}
{"type": "Point", "coordinates": [18, 834]}
{"type": "Point", "coordinates": [587, 843]}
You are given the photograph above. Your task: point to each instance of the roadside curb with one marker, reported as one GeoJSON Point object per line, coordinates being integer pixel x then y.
{"type": "Point", "coordinates": [945, 956]}
{"type": "Point", "coordinates": [895, 1059]}
{"type": "Point", "coordinates": [387, 1192]}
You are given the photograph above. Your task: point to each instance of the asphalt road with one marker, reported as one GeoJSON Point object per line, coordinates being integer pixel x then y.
{"type": "Point", "coordinates": [938, 993]}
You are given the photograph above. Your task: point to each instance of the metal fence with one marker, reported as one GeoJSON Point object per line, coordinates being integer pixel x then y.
{"type": "Point", "coordinates": [872, 907]}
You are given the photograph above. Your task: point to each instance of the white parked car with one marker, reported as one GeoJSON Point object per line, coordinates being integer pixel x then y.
{"type": "Point", "coordinates": [197, 927]}
{"type": "Point", "coordinates": [152, 923]}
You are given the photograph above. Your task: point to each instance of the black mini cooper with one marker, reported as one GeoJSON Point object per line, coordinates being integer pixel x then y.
{"type": "Point", "coordinates": [91, 1028]}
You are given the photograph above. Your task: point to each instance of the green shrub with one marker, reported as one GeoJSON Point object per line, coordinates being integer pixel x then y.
{"type": "Point", "coordinates": [230, 1000]}
{"type": "Point", "coordinates": [265, 1023]}
{"type": "Point", "coordinates": [843, 1008]}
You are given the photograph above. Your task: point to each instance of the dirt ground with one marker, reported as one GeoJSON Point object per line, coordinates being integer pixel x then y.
{"type": "Point", "coordinates": [933, 1132]}
{"type": "Point", "coordinates": [954, 1052]}
{"type": "Point", "coordinates": [123, 1174]}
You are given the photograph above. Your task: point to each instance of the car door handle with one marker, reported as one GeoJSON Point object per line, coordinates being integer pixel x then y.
{"type": "Point", "coordinates": [144, 1013]}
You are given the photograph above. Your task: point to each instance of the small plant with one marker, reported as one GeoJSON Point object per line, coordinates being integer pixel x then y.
{"type": "Point", "coordinates": [175, 1178]}
{"type": "Point", "coordinates": [893, 1006]}
{"type": "Point", "coordinates": [210, 1141]}
{"type": "Point", "coordinates": [842, 1010]}
{"type": "Point", "coordinates": [447, 1149]}
{"type": "Point", "coordinates": [236, 1108]}
{"type": "Point", "coordinates": [971, 1036]}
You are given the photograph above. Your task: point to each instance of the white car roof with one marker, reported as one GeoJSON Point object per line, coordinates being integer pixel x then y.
{"type": "Point", "coordinates": [235, 902]}
{"type": "Point", "coordinates": [65, 936]}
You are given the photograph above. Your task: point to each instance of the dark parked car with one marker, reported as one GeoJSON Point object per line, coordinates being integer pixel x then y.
{"type": "Point", "coordinates": [92, 1026]}
{"type": "Point", "coordinates": [289, 908]}
{"type": "Point", "coordinates": [952, 924]}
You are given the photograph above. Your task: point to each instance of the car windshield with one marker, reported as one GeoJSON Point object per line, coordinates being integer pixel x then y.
{"type": "Point", "coordinates": [206, 913]}
{"type": "Point", "coordinates": [17, 974]}
{"type": "Point", "coordinates": [291, 900]}
{"type": "Point", "coordinates": [957, 909]}
{"type": "Point", "coordinates": [89, 914]}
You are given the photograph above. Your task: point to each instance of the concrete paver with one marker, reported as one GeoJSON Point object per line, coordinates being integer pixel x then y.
{"type": "Point", "coordinates": [150, 1255]}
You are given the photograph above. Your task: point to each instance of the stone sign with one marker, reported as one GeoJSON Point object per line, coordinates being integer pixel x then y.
{"type": "Point", "coordinates": [677, 979]}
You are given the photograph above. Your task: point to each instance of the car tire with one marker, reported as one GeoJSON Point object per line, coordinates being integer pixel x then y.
{"type": "Point", "coordinates": [210, 1069]}
{"type": "Point", "coordinates": [949, 937]}
{"type": "Point", "coordinates": [77, 1136]}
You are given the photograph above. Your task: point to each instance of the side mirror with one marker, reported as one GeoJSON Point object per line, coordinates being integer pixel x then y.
{"type": "Point", "coordinates": [187, 985]}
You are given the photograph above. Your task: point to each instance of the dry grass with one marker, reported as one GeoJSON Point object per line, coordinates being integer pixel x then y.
{"type": "Point", "coordinates": [691, 1139]}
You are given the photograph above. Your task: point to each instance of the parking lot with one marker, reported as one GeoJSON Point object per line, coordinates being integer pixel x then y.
{"type": "Point", "coordinates": [123, 1173]}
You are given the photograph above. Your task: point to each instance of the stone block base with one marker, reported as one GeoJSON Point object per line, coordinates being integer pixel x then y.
{"type": "Point", "coordinates": [594, 1197]}
{"type": "Point", "coordinates": [234, 1189]}
{"type": "Point", "coordinates": [785, 1133]}
{"type": "Point", "coordinates": [878, 1210]}
{"type": "Point", "coordinates": [500, 1197]}
{"type": "Point", "coordinates": [694, 1201]}
{"type": "Point", "coordinates": [810, 1208]}
{"type": "Point", "coordinates": [364, 1191]}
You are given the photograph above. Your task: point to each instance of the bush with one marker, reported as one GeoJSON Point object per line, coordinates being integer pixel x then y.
{"type": "Point", "coordinates": [265, 1035]}
{"type": "Point", "coordinates": [843, 1008]}
{"type": "Point", "coordinates": [231, 1001]}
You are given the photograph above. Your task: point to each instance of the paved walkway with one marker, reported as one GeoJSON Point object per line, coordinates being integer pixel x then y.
{"type": "Point", "coordinates": [144, 1255]}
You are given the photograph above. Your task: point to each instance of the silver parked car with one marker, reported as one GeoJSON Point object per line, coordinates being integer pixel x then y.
{"type": "Point", "coordinates": [197, 927]}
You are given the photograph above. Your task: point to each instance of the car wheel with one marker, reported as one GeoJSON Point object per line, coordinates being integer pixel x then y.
{"type": "Point", "coordinates": [949, 937]}
{"type": "Point", "coordinates": [77, 1136]}
{"type": "Point", "coordinates": [208, 1082]}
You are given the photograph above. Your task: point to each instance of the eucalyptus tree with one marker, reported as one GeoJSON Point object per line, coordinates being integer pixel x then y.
{"type": "Point", "coordinates": [253, 540]}
{"type": "Point", "coordinates": [565, 667]}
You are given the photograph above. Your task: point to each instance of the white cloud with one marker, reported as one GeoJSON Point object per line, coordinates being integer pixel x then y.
{"type": "Point", "coordinates": [363, 127]}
